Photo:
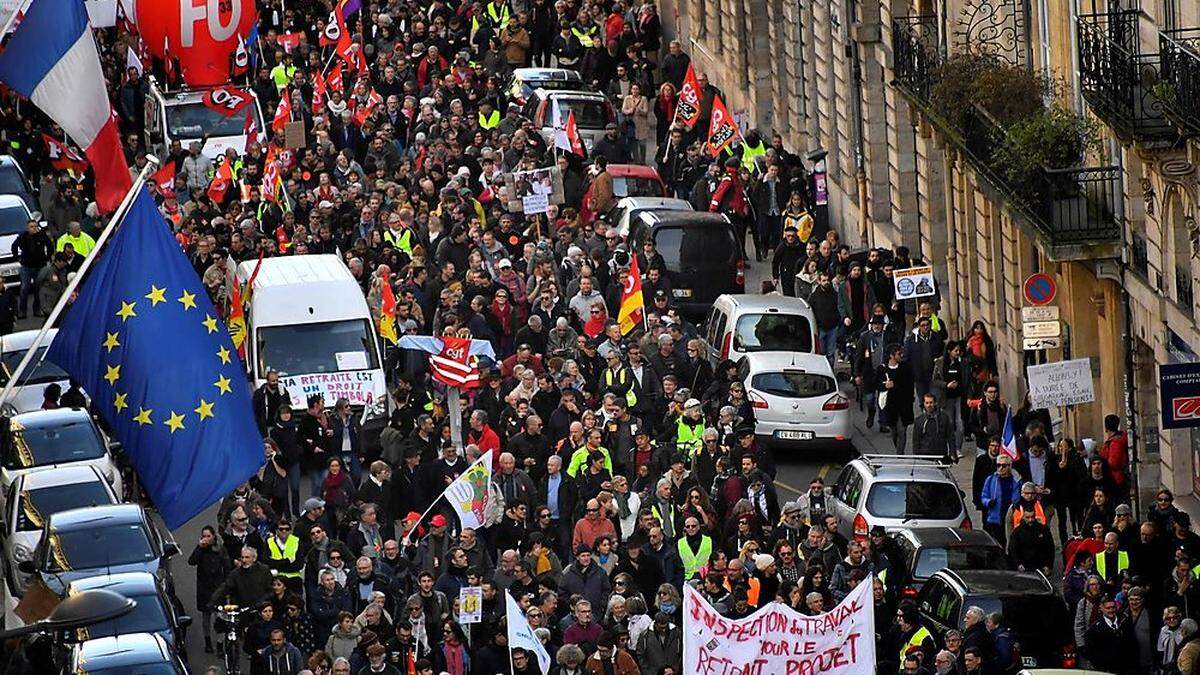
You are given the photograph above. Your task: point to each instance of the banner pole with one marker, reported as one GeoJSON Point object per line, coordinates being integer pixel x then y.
{"type": "Point", "coordinates": [117, 216]}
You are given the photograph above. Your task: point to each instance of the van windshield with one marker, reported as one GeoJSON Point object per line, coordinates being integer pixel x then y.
{"type": "Point", "coordinates": [188, 121]}
{"type": "Point", "coordinates": [772, 333]}
{"type": "Point", "coordinates": [304, 349]}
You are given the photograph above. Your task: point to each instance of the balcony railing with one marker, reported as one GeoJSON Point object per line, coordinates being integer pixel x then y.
{"type": "Point", "coordinates": [1071, 206]}
{"type": "Point", "coordinates": [1179, 51]}
{"type": "Point", "coordinates": [1118, 80]}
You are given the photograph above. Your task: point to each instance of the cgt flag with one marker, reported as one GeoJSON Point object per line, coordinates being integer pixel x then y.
{"type": "Point", "coordinates": [721, 129]}
{"type": "Point", "coordinates": [687, 108]}
{"type": "Point", "coordinates": [145, 341]}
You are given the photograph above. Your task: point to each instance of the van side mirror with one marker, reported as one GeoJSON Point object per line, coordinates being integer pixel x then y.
{"type": "Point", "coordinates": [170, 549]}
{"type": "Point", "coordinates": [183, 620]}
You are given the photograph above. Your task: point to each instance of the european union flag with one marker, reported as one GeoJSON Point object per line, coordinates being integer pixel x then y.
{"type": "Point", "coordinates": [146, 343]}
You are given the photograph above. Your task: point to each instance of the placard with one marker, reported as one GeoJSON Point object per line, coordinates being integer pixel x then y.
{"type": "Point", "coordinates": [1179, 395]}
{"type": "Point", "coordinates": [914, 282]}
{"type": "Point", "coordinates": [351, 360]}
{"type": "Point", "coordinates": [532, 204]}
{"type": "Point", "coordinates": [470, 604]}
{"type": "Point", "coordinates": [293, 134]}
{"type": "Point", "coordinates": [1061, 383]}
{"type": "Point", "coordinates": [535, 189]}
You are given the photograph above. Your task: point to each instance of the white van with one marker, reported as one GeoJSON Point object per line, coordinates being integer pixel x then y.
{"type": "Point", "coordinates": [182, 116]}
{"type": "Point", "coordinates": [308, 320]}
{"type": "Point", "coordinates": [742, 324]}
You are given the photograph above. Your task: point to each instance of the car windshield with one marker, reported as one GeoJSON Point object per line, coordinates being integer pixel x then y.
{"type": "Point", "coordinates": [11, 182]}
{"type": "Point", "coordinates": [696, 245]}
{"type": "Point", "coordinates": [101, 546]}
{"type": "Point", "coordinates": [772, 333]}
{"type": "Point", "coordinates": [72, 441]}
{"type": "Point", "coordinates": [793, 384]}
{"type": "Point", "coordinates": [189, 121]}
{"type": "Point", "coordinates": [13, 219]}
{"type": "Point", "coordinates": [147, 617]}
{"type": "Point", "coordinates": [35, 506]}
{"type": "Point", "coordinates": [912, 500]}
{"type": "Point", "coordinates": [40, 371]}
{"type": "Point", "coordinates": [636, 186]}
{"type": "Point", "coordinates": [934, 558]}
{"type": "Point", "coordinates": [308, 348]}
{"type": "Point", "coordinates": [589, 113]}
{"type": "Point", "coordinates": [168, 668]}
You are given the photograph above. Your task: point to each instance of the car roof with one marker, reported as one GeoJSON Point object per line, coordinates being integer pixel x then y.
{"type": "Point", "coordinates": [125, 583]}
{"type": "Point", "coordinates": [9, 160]}
{"type": "Point", "coordinates": [947, 536]}
{"type": "Point", "coordinates": [10, 200]}
{"type": "Point", "coordinates": [40, 419]}
{"type": "Point", "coordinates": [910, 469]}
{"type": "Point", "coordinates": [632, 171]}
{"type": "Point", "coordinates": [766, 303]}
{"type": "Point", "coordinates": [683, 218]}
{"type": "Point", "coordinates": [67, 474]}
{"type": "Point", "coordinates": [543, 74]}
{"type": "Point", "coordinates": [84, 518]}
{"type": "Point", "coordinates": [809, 363]}
{"type": "Point", "coordinates": [123, 650]}
{"type": "Point", "coordinates": [21, 340]}
{"type": "Point", "coordinates": [999, 582]}
{"type": "Point", "coordinates": [569, 93]}
{"type": "Point", "coordinates": [666, 203]}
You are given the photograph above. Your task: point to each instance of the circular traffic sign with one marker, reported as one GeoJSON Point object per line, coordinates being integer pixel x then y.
{"type": "Point", "coordinates": [1040, 289]}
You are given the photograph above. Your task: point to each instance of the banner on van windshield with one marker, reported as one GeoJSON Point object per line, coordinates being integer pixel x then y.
{"type": "Point", "coordinates": [355, 386]}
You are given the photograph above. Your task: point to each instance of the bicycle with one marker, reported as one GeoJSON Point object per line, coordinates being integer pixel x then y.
{"type": "Point", "coordinates": [231, 650]}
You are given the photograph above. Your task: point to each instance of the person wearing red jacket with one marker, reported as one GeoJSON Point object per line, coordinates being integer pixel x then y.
{"type": "Point", "coordinates": [730, 198]}
{"type": "Point", "coordinates": [1115, 453]}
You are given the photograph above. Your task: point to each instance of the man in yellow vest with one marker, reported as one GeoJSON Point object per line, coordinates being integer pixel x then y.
{"type": "Point", "coordinates": [283, 556]}
{"type": "Point", "coordinates": [695, 548]}
{"type": "Point", "coordinates": [618, 379]}
{"type": "Point", "coordinates": [79, 240]}
{"type": "Point", "coordinates": [752, 149]}
{"type": "Point", "coordinates": [579, 457]}
{"type": "Point", "coordinates": [1111, 561]}
{"type": "Point", "coordinates": [489, 117]}
{"type": "Point", "coordinates": [283, 72]}
{"type": "Point", "coordinates": [913, 636]}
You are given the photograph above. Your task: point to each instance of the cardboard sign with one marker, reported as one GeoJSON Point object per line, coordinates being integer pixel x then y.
{"type": "Point", "coordinates": [914, 282]}
{"type": "Point", "coordinates": [1061, 383]}
{"type": "Point", "coordinates": [293, 134]}
{"type": "Point", "coordinates": [470, 605]}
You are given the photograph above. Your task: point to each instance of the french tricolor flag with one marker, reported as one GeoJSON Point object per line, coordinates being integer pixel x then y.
{"type": "Point", "coordinates": [1008, 438]}
{"type": "Point", "coordinates": [52, 60]}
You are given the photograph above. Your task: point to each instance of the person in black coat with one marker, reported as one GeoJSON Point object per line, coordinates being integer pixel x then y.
{"type": "Point", "coordinates": [212, 566]}
{"type": "Point", "coordinates": [893, 381]}
{"type": "Point", "coordinates": [283, 432]}
{"type": "Point", "coordinates": [645, 570]}
{"type": "Point", "coordinates": [267, 401]}
{"type": "Point", "coordinates": [1110, 643]}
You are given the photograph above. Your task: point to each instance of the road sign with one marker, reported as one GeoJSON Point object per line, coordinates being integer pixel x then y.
{"type": "Point", "coordinates": [1040, 289]}
{"type": "Point", "coordinates": [1046, 313]}
{"type": "Point", "coordinates": [1041, 329]}
{"type": "Point", "coordinates": [1039, 344]}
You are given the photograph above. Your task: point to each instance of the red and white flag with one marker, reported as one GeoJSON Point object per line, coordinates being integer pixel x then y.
{"type": "Point", "coordinates": [220, 184]}
{"type": "Point", "coordinates": [454, 366]}
{"type": "Point", "coordinates": [319, 92]}
{"type": "Point", "coordinates": [687, 108]}
{"type": "Point", "coordinates": [62, 156]}
{"type": "Point", "coordinates": [241, 58]}
{"type": "Point", "coordinates": [283, 113]}
{"type": "Point", "coordinates": [251, 130]}
{"type": "Point", "coordinates": [722, 129]}
{"type": "Point", "coordinates": [333, 78]}
{"type": "Point", "coordinates": [289, 41]}
{"type": "Point", "coordinates": [164, 178]}
{"type": "Point", "coordinates": [334, 28]}
{"type": "Point", "coordinates": [364, 111]}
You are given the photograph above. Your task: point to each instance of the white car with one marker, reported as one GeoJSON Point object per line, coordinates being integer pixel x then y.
{"type": "Point", "coordinates": [796, 399]}
{"type": "Point", "coordinates": [14, 217]}
{"type": "Point", "coordinates": [628, 208]}
{"type": "Point", "coordinates": [41, 373]}
{"type": "Point", "coordinates": [46, 439]}
{"type": "Point", "coordinates": [32, 499]}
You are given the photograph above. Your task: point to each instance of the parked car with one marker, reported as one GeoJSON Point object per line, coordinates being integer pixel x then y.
{"type": "Point", "coordinates": [15, 214]}
{"type": "Point", "coordinates": [136, 653]}
{"type": "Point", "coordinates": [13, 181]}
{"type": "Point", "coordinates": [83, 543]}
{"type": "Point", "coordinates": [894, 492]}
{"type": "Point", "coordinates": [43, 439]}
{"type": "Point", "coordinates": [925, 550]}
{"type": "Point", "coordinates": [628, 208]}
{"type": "Point", "coordinates": [525, 81]}
{"type": "Point", "coordinates": [1033, 611]}
{"type": "Point", "coordinates": [796, 399]}
{"type": "Point", "coordinates": [27, 395]}
{"type": "Point", "coordinates": [744, 324]}
{"type": "Point", "coordinates": [628, 180]}
{"type": "Point", "coordinates": [701, 253]}
{"type": "Point", "coordinates": [548, 109]}
{"type": "Point", "coordinates": [34, 497]}
{"type": "Point", "coordinates": [156, 611]}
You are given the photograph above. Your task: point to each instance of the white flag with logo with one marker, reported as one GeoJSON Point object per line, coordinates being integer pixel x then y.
{"type": "Point", "coordinates": [469, 494]}
{"type": "Point", "coordinates": [520, 633]}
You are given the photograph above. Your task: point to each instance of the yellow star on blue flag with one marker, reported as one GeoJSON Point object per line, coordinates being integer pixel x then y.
{"type": "Point", "coordinates": [136, 353]}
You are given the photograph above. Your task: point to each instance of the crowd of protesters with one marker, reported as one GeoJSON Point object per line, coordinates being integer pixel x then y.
{"type": "Point", "coordinates": [626, 465]}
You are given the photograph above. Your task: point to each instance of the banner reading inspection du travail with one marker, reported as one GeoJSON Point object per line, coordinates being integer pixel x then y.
{"type": "Point", "coordinates": [1179, 392]}
{"type": "Point", "coordinates": [777, 640]}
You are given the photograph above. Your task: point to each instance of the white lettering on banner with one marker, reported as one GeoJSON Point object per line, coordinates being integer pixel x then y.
{"type": "Point", "coordinates": [354, 386]}
{"type": "Point", "coordinates": [1061, 383]}
{"type": "Point", "coordinates": [914, 282]}
{"type": "Point", "coordinates": [777, 640]}
{"type": "Point", "coordinates": [210, 12]}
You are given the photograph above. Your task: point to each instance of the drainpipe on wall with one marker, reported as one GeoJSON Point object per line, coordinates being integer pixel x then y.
{"type": "Point", "coordinates": [1131, 422]}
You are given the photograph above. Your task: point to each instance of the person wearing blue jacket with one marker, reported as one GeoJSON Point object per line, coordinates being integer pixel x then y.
{"type": "Point", "coordinates": [1000, 490]}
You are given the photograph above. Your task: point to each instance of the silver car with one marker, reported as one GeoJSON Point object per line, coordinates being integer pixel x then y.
{"type": "Point", "coordinates": [45, 439]}
{"type": "Point", "coordinates": [896, 491]}
{"type": "Point", "coordinates": [32, 499]}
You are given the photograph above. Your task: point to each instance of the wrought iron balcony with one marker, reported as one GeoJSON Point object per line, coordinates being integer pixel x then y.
{"type": "Point", "coordinates": [1179, 88]}
{"type": "Point", "coordinates": [1118, 81]}
{"type": "Point", "coordinates": [1073, 209]}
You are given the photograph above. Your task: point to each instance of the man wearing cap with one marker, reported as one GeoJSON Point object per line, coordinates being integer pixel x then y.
{"type": "Point", "coordinates": [432, 550]}
{"type": "Point", "coordinates": [586, 578]}
{"type": "Point", "coordinates": [792, 529]}
{"type": "Point", "coordinates": [661, 646]}
{"type": "Point", "coordinates": [812, 503]}
{"type": "Point", "coordinates": [313, 514]}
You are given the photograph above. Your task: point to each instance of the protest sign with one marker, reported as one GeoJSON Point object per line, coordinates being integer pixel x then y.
{"type": "Point", "coordinates": [470, 604]}
{"type": "Point", "coordinates": [914, 282]}
{"type": "Point", "coordinates": [777, 640]}
{"type": "Point", "coordinates": [1061, 383]}
{"type": "Point", "coordinates": [533, 191]}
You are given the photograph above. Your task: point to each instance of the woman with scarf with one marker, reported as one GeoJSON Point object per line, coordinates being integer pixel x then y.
{"type": "Point", "coordinates": [627, 503]}
{"type": "Point", "coordinates": [541, 558]}
{"type": "Point", "coordinates": [454, 656]}
{"type": "Point", "coordinates": [981, 357]}
{"type": "Point", "coordinates": [506, 318]}
{"type": "Point", "coordinates": [337, 489]}
{"type": "Point", "coordinates": [664, 111]}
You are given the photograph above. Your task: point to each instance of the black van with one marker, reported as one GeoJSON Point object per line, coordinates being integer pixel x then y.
{"type": "Point", "coordinates": [703, 256]}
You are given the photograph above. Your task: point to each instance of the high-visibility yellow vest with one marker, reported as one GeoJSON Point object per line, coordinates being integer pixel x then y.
{"type": "Point", "coordinates": [282, 75]}
{"type": "Point", "coordinates": [83, 244]}
{"type": "Point", "coordinates": [491, 121]}
{"type": "Point", "coordinates": [585, 36]}
{"type": "Point", "coordinates": [882, 577]}
{"type": "Point", "coordinates": [750, 153]}
{"type": "Point", "coordinates": [579, 458]}
{"type": "Point", "coordinates": [631, 398]}
{"type": "Point", "coordinates": [291, 548]}
{"type": "Point", "coordinates": [913, 642]}
{"type": "Point", "coordinates": [1122, 563]}
{"type": "Point", "coordinates": [403, 242]}
{"type": "Point", "coordinates": [692, 562]}
{"type": "Point", "coordinates": [688, 438]}
{"type": "Point", "coordinates": [670, 517]}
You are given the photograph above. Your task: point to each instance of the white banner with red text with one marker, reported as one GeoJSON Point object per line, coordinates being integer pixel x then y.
{"type": "Point", "coordinates": [777, 640]}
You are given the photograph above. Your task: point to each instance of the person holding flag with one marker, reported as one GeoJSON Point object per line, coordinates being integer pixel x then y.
{"type": "Point", "coordinates": [631, 312]}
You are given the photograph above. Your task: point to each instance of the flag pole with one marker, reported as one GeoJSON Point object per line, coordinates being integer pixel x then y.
{"type": "Point", "coordinates": [117, 216]}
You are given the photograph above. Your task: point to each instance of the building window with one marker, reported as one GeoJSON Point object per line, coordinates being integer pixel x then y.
{"type": "Point", "coordinates": [1183, 289]}
{"type": "Point", "coordinates": [1138, 254]}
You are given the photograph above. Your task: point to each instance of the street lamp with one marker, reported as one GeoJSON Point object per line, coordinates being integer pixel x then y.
{"type": "Point", "coordinates": [78, 611]}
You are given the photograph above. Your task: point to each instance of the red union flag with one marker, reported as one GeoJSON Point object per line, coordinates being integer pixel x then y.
{"type": "Point", "coordinates": [226, 100]}
{"type": "Point", "coordinates": [332, 33]}
{"type": "Point", "coordinates": [453, 366]}
{"type": "Point", "coordinates": [62, 156]}
{"type": "Point", "coordinates": [687, 109]}
{"type": "Point", "coordinates": [722, 129]}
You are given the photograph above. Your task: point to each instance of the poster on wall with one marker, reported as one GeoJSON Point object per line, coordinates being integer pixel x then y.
{"type": "Point", "coordinates": [1179, 395]}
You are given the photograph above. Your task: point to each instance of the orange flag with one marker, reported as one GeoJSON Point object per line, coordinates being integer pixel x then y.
{"type": "Point", "coordinates": [630, 313]}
